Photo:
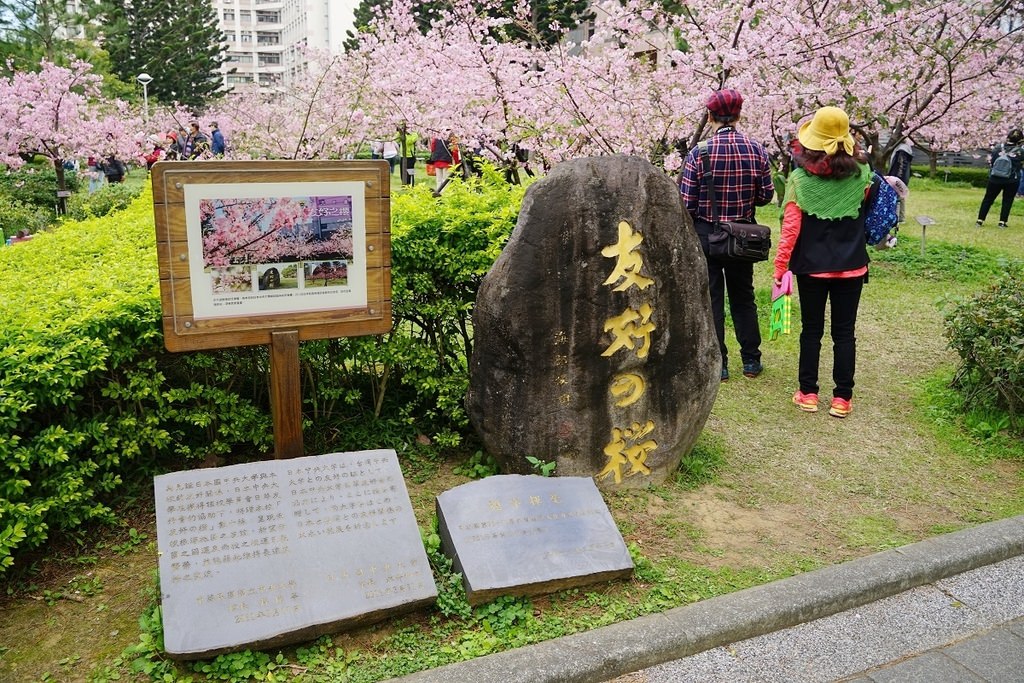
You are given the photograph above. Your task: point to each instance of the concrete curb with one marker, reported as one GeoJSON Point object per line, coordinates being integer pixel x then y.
{"type": "Point", "coordinates": [611, 651]}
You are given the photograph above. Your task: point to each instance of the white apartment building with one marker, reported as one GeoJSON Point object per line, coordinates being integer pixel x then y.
{"type": "Point", "coordinates": [265, 38]}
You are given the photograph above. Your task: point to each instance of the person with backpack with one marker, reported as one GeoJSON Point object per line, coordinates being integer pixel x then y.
{"type": "Point", "coordinates": [441, 156]}
{"type": "Point", "coordinates": [1003, 176]}
{"type": "Point", "coordinates": [822, 241]}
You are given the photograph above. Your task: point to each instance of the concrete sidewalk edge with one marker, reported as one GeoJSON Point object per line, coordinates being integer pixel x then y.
{"type": "Point", "coordinates": [611, 651]}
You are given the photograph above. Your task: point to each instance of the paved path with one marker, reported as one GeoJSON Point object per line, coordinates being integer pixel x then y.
{"type": "Point", "coordinates": [946, 609]}
{"type": "Point", "coordinates": [968, 627]}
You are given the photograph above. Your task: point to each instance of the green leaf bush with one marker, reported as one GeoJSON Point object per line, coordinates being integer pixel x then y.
{"type": "Point", "coordinates": [90, 400]}
{"type": "Point", "coordinates": [417, 375]}
{"type": "Point", "coordinates": [16, 215]}
{"type": "Point", "coordinates": [88, 396]}
{"type": "Point", "coordinates": [975, 176]}
{"type": "Point", "coordinates": [110, 197]}
{"type": "Point", "coordinates": [35, 184]}
{"type": "Point", "coordinates": [987, 331]}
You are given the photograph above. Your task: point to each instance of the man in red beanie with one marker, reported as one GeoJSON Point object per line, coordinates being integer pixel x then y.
{"type": "Point", "coordinates": [743, 180]}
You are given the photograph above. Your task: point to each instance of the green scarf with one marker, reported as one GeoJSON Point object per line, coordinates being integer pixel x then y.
{"type": "Point", "coordinates": [826, 197]}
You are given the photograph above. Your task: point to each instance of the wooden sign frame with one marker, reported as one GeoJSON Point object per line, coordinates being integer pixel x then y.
{"type": "Point", "coordinates": [179, 244]}
{"type": "Point", "coordinates": [215, 298]}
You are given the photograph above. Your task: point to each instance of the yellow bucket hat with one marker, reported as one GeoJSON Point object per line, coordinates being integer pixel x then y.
{"type": "Point", "coordinates": [829, 128]}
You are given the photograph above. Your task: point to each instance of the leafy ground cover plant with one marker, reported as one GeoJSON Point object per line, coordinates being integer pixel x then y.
{"type": "Point", "coordinates": [110, 197]}
{"type": "Point", "coordinates": [16, 215]}
{"type": "Point", "coordinates": [987, 331]}
{"type": "Point", "coordinates": [88, 397]}
{"type": "Point", "coordinates": [35, 184]}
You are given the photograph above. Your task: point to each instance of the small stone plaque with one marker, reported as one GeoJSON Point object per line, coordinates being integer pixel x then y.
{"type": "Point", "coordinates": [525, 534]}
{"type": "Point", "coordinates": [270, 553]}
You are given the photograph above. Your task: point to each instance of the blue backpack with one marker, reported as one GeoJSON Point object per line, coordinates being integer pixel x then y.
{"type": "Point", "coordinates": [882, 210]}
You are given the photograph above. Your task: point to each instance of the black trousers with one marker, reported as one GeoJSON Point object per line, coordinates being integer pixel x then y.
{"type": "Point", "coordinates": [844, 294]}
{"type": "Point", "coordinates": [992, 190]}
{"type": "Point", "coordinates": [736, 279]}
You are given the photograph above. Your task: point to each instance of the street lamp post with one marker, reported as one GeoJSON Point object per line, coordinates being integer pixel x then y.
{"type": "Point", "coordinates": [145, 79]}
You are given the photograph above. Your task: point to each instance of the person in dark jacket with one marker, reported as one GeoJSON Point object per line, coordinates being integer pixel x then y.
{"type": "Point", "coordinates": [197, 144]}
{"type": "Point", "coordinates": [1003, 184]}
{"type": "Point", "coordinates": [899, 163]}
{"type": "Point", "coordinates": [173, 150]}
{"type": "Point", "coordinates": [217, 144]}
{"type": "Point", "coordinates": [822, 242]}
{"type": "Point", "coordinates": [113, 168]}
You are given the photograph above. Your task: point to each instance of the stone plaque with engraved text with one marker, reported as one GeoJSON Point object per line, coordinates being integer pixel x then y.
{"type": "Point", "coordinates": [269, 553]}
{"type": "Point", "coordinates": [525, 534]}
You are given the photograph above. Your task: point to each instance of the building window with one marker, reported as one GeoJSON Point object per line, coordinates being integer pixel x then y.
{"type": "Point", "coordinates": [246, 36]}
{"type": "Point", "coordinates": [229, 15]}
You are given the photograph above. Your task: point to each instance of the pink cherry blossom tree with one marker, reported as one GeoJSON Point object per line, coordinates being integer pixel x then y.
{"type": "Point", "coordinates": [321, 115]}
{"type": "Point", "coordinates": [57, 113]}
{"type": "Point", "coordinates": [640, 81]}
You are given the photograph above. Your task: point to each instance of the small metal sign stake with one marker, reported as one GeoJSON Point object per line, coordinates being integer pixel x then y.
{"type": "Point", "coordinates": [924, 222]}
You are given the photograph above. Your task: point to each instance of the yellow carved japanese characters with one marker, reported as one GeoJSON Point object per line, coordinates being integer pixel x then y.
{"type": "Point", "coordinates": [627, 451]}
{"type": "Point", "coordinates": [628, 388]}
{"type": "Point", "coordinates": [628, 262]}
{"type": "Point", "coordinates": [631, 330]}
{"type": "Point", "coordinates": [628, 326]}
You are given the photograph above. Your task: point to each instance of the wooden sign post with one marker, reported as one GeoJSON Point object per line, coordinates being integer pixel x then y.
{"type": "Point", "coordinates": [273, 252]}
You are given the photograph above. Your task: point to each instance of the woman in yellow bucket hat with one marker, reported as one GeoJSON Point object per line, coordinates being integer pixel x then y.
{"type": "Point", "coordinates": [822, 242]}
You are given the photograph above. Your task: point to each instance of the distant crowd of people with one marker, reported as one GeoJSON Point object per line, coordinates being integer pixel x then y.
{"type": "Point", "coordinates": [182, 145]}
{"type": "Point", "coordinates": [446, 153]}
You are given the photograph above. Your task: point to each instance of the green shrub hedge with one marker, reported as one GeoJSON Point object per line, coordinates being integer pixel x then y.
{"type": "Point", "coordinates": [987, 331]}
{"type": "Point", "coordinates": [90, 400]}
{"type": "Point", "coordinates": [110, 197]}
{"type": "Point", "coordinates": [16, 215]}
{"type": "Point", "coordinates": [969, 175]}
{"type": "Point", "coordinates": [36, 184]}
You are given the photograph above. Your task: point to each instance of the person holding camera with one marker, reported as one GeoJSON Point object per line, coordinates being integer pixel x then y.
{"type": "Point", "coordinates": [823, 243]}
{"type": "Point", "coordinates": [743, 180]}
{"type": "Point", "coordinates": [1004, 176]}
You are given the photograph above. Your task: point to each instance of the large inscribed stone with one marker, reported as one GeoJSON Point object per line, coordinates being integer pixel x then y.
{"type": "Point", "coordinates": [270, 553]}
{"type": "Point", "coordinates": [594, 345]}
{"type": "Point", "coordinates": [524, 535]}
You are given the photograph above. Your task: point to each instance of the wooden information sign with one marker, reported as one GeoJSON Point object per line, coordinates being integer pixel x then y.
{"type": "Point", "coordinates": [273, 252]}
{"type": "Point", "coordinates": [249, 248]}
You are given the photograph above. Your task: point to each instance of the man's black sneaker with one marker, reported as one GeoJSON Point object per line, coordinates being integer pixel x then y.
{"type": "Point", "coordinates": [752, 369]}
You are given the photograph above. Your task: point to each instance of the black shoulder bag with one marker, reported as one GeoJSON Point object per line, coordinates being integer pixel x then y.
{"type": "Point", "coordinates": [734, 241]}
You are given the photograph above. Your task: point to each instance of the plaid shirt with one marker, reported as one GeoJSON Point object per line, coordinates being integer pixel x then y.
{"type": "Point", "coordinates": [743, 177]}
